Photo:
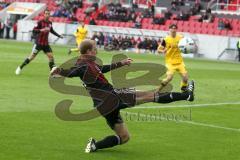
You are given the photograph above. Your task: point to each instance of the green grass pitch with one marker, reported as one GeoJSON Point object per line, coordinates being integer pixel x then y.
{"type": "Point", "coordinates": [208, 128]}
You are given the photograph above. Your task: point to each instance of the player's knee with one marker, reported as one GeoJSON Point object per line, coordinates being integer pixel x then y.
{"type": "Point", "coordinates": [124, 138]}
{"type": "Point", "coordinates": [31, 57]}
{"type": "Point", "coordinates": [51, 59]}
{"type": "Point", "coordinates": [50, 56]}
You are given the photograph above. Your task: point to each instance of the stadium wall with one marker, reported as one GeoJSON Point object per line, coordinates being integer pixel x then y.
{"type": "Point", "coordinates": [209, 46]}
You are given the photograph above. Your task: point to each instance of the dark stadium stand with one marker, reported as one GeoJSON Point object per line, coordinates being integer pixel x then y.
{"type": "Point", "coordinates": [3, 5]}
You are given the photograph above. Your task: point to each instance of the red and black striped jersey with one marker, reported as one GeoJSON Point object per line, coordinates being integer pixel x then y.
{"type": "Point", "coordinates": [91, 73]}
{"type": "Point", "coordinates": [42, 36]}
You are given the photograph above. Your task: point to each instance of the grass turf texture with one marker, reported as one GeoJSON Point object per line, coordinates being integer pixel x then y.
{"type": "Point", "coordinates": [30, 130]}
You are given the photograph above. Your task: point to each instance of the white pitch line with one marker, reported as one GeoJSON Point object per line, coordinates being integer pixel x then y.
{"type": "Point", "coordinates": [211, 125]}
{"type": "Point", "coordinates": [191, 105]}
{"type": "Point", "coordinates": [191, 122]}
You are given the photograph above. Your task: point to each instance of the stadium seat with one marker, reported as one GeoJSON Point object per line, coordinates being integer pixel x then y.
{"type": "Point", "coordinates": [105, 23]}
{"type": "Point", "coordinates": [217, 32]}
{"type": "Point", "coordinates": [122, 24]}
{"type": "Point", "coordinates": [99, 22]}
{"type": "Point", "coordinates": [111, 23]}
{"type": "Point", "coordinates": [230, 33]}
{"type": "Point", "coordinates": [130, 24]}
{"type": "Point", "coordinates": [186, 29]}
{"type": "Point", "coordinates": [192, 26]}
{"type": "Point", "coordinates": [116, 24]}
{"type": "Point", "coordinates": [211, 31]}
{"type": "Point", "coordinates": [163, 27]}
{"type": "Point", "coordinates": [205, 25]}
{"type": "Point", "coordinates": [223, 32]}
{"type": "Point", "coordinates": [198, 30]}
{"type": "Point", "coordinates": [180, 23]}
{"type": "Point", "coordinates": [192, 30]}
{"type": "Point", "coordinates": [156, 27]}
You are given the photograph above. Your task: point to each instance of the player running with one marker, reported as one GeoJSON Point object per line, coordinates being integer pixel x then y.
{"type": "Point", "coordinates": [41, 43]}
{"type": "Point", "coordinates": [173, 58]}
{"type": "Point", "coordinates": [103, 94]}
{"type": "Point", "coordinates": [80, 34]}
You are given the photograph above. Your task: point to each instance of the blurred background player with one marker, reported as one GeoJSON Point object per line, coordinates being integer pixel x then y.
{"type": "Point", "coordinates": [173, 58]}
{"type": "Point", "coordinates": [41, 42]}
{"type": "Point", "coordinates": [80, 34]}
{"type": "Point", "coordinates": [238, 47]}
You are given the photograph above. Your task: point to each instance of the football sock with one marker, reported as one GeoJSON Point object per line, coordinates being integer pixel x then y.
{"type": "Point", "coordinates": [108, 142]}
{"type": "Point", "coordinates": [74, 49]}
{"type": "Point", "coordinates": [51, 64]}
{"type": "Point", "coordinates": [26, 61]}
{"type": "Point", "coordinates": [170, 97]}
{"type": "Point", "coordinates": [183, 86]}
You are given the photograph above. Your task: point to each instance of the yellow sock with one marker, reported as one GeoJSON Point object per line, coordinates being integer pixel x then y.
{"type": "Point", "coordinates": [74, 49]}
{"type": "Point", "coordinates": [183, 84]}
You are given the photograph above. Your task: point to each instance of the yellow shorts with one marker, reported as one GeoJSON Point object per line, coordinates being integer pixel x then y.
{"type": "Point", "coordinates": [79, 42]}
{"type": "Point", "coordinates": [172, 68]}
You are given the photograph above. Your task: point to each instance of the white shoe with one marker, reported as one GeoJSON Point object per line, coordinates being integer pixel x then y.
{"type": "Point", "coordinates": [18, 70]}
{"type": "Point", "coordinates": [91, 147]}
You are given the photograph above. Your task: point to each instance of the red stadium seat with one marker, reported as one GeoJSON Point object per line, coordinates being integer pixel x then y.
{"type": "Point", "coordinates": [116, 24]}
{"type": "Point", "coordinates": [105, 23]}
{"type": "Point", "coordinates": [130, 24]}
{"type": "Point", "coordinates": [180, 23]}
{"type": "Point", "coordinates": [192, 30]}
{"type": "Point", "coordinates": [223, 32]}
{"type": "Point", "coordinates": [111, 23]}
{"type": "Point", "coordinates": [230, 33]}
{"type": "Point", "coordinates": [211, 31]}
{"type": "Point", "coordinates": [122, 24]}
{"type": "Point", "coordinates": [156, 27]}
{"type": "Point", "coordinates": [163, 27]}
{"type": "Point", "coordinates": [217, 32]}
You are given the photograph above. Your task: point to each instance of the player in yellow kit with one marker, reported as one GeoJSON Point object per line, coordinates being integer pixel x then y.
{"type": "Point", "coordinates": [173, 58]}
{"type": "Point", "coordinates": [80, 34]}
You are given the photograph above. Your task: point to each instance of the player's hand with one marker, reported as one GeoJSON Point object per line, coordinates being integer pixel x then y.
{"type": "Point", "coordinates": [55, 72]}
{"type": "Point", "coordinates": [61, 36]}
{"type": "Point", "coordinates": [46, 29]}
{"type": "Point", "coordinates": [127, 61]}
{"type": "Point", "coordinates": [164, 51]}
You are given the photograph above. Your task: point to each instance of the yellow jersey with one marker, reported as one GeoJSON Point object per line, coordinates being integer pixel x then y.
{"type": "Point", "coordinates": [173, 54]}
{"type": "Point", "coordinates": [81, 33]}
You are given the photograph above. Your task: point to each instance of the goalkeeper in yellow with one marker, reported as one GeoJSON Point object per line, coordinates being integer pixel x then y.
{"type": "Point", "coordinates": [173, 58]}
{"type": "Point", "coordinates": [80, 34]}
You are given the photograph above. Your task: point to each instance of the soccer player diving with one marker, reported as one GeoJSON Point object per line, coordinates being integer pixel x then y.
{"type": "Point", "coordinates": [96, 84]}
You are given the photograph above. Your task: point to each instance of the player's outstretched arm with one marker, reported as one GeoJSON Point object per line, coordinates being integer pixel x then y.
{"type": "Point", "coordinates": [60, 72]}
{"type": "Point", "coordinates": [107, 68]}
{"type": "Point", "coordinates": [55, 33]}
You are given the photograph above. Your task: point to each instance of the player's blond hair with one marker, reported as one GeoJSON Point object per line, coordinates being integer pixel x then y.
{"type": "Point", "coordinates": [86, 45]}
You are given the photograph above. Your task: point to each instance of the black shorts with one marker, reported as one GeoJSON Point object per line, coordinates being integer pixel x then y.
{"type": "Point", "coordinates": [127, 99]}
{"type": "Point", "coordinates": [37, 48]}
